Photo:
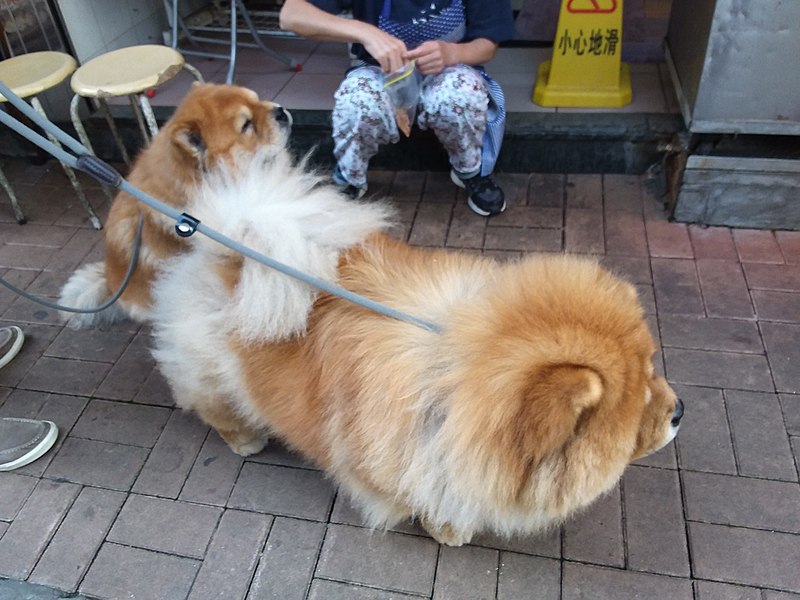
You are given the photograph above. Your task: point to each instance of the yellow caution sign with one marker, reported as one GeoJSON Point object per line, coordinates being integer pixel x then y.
{"type": "Point", "coordinates": [586, 69]}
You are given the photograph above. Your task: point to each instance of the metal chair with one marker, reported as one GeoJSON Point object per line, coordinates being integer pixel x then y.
{"type": "Point", "coordinates": [230, 26]}
{"type": "Point", "coordinates": [28, 75]}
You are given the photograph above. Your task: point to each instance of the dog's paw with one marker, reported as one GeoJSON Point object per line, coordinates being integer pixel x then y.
{"type": "Point", "coordinates": [246, 445]}
{"type": "Point", "coordinates": [446, 534]}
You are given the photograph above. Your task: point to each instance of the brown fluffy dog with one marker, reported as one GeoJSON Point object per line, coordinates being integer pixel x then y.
{"type": "Point", "coordinates": [529, 403]}
{"type": "Point", "coordinates": [212, 126]}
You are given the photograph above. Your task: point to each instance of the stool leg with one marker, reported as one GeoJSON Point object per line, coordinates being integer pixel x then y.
{"type": "Point", "coordinates": [74, 113]}
{"type": "Point", "coordinates": [70, 173]}
{"type": "Point", "coordinates": [257, 38]}
{"type": "Point", "coordinates": [195, 73]}
{"type": "Point", "coordinates": [114, 131]}
{"type": "Point", "coordinates": [149, 117]}
{"type": "Point", "coordinates": [18, 214]}
{"type": "Point", "coordinates": [137, 111]}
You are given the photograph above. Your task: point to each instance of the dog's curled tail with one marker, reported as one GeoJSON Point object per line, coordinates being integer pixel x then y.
{"type": "Point", "coordinates": [86, 289]}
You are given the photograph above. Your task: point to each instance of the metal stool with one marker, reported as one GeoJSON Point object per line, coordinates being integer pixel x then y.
{"type": "Point", "coordinates": [126, 72]}
{"type": "Point", "coordinates": [28, 75]}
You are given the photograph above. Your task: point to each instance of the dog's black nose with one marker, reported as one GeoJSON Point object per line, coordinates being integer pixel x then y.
{"type": "Point", "coordinates": [678, 414]}
{"type": "Point", "coordinates": [280, 114]}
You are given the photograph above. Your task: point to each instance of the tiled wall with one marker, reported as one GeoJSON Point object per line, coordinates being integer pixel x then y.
{"type": "Point", "coordinates": [643, 28]}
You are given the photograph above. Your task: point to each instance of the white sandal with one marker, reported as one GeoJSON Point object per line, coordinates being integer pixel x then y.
{"type": "Point", "coordinates": [11, 338]}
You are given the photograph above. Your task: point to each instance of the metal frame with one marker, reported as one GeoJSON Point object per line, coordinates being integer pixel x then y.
{"type": "Point", "coordinates": [177, 23]}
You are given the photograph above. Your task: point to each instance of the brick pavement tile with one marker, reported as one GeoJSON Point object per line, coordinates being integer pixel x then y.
{"type": "Point", "coordinates": [112, 466]}
{"type": "Point", "coordinates": [724, 289]}
{"type": "Point", "coordinates": [122, 572]}
{"type": "Point", "coordinates": [757, 246]}
{"type": "Point", "coordinates": [36, 234]}
{"type": "Point", "coordinates": [321, 589]}
{"type": "Point", "coordinates": [3, 528]}
{"type": "Point", "coordinates": [275, 453]}
{"type": "Point", "coordinates": [407, 185]}
{"type": "Point", "coordinates": [515, 187]}
{"type": "Point", "coordinates": [155, 391]}
{"type": "Point", "coordinates": [37, 338]}
{"type": "Point", "coordinates": [528, 577]}
{"type": "Point", "coordinates": [711, 590]}
{"type": "Point", "coordinates": [29, 533]}
{"type": "Point", "coordinates": [130, 370]}
{"type": "Point", "coordinates": [529, 216]}
{"type": "Point", "coordinates": [72, 254]}
{"type": "Point", "coordinates": [795, 443]}
{"type": "Point", "coordinates": [283, 491]}
{"type": "Point", "coordinates": [96, 345]}
{"type": "Point", "coordinates": [547, 190]}
{"type": "Point", "coordinates": [704, 440]}
{"type": "Point", "coordinates": [762, 276]}
{"type": "Point", "coordinates": [23, 403]}
{"type": "Point", "coordinates": [777, 306]}
{"type": "Point", "coordinates": [595, 534]}
{"type": "Point", "coordinates": [601, 583]}
{"type": "Point", "coordinates": [143, 521]}
{"type": "Point", "coordinates": [18, 277]}
{"type": "Point", "coordinates": [345, 512]}
{"type": "Point", "coordinates": [25, 257]}
{"type": "Point", "coordinates": [24, 313]}
{"type": "Point", "coordinates": [72, 549]}
{"type": "Point", "coordinates": [522, 240]}
{"type": "Point", "coordinates": [647, 297]}
{"type": "Point", "coordinates": [545, 543]}
{"type": "Point", "coordinates": [503, 255]}
{"type": "Point", "coordinates": [790, 403]}
{"type": "Point", "coordinates": [584, 191]}
{"type": "Point", "coordinates": [48, 283]}
{"type": "Point", "coordinates": [718, 369]}
{"type": "Point", "coordinates": [172, 457]}
{"type": "Point", "coordinates": [584, 231]}
{"type": "Point", "coordinates": [727, 554]}
{"type": "Point", "coordinates": [731, 335]}
{"type": "Point", "coordinates": [654, 526]}
{"type": "Point", "coordinates": [622, 193]}
{"type": "Point", "coordinates": [431, 224]}
{"type": "Point", "coordinates": [712, 242]}
{"type": "Point", "coordinates": [287, 563]}
{"type": "Point", "coordinates": [759, 436]}
{"type": "Point", "coordinates": [783, 353]}
{"type": "Point", "coordinates": [625, 234]}
{"type": "Point", "coordinates": [467, 573]}
{"type": "Point", "coordinates": [392, 561]}
{"type": "Point", "coordinates": [14, 491]}
{"type": "Point", "coordinates": [634, 269]}
{"type": "Point", "coordinates": [789, 242]}
{"type": "Point", "coordinates": [121, 423]}
{"type": "Point", "coordinates": [439, 187]}
{"type": "Point", "coordinates": [665, 458]}
{"type": "Point", "coordinates": [741, 501]}
{"type": "Point", "coordinates": [676, 286]}
{"type": "Point", "coordinates": [466, 230]}
{"type": "Point", "coordinates": [380, 181]}
{"type": "Point", "coordinates": [773, 595]}
{"type": "Point", "coordinates": [668, 240]}
{"type": "Point", "coordinates": [404, 212]}
{"type": "Point", "coordinates": [214, 472]}
{"type": "Point", "coordinates": [65, 376]}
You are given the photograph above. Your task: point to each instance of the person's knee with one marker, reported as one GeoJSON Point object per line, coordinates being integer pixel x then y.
{"type": "Point", "coordinates": [456, 95]}
{"type": "Point", "coordinates": [360, 103]}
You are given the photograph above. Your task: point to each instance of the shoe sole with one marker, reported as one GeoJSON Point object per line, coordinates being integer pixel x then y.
{"type": "Point", "coordinates": [19, 337]}
{"type": "Point", "coordinates": [37, 452]}
{"type": "Point", "coordinates": [474, 207]}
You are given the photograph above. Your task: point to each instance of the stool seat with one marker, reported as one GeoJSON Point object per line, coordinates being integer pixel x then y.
{"type": "Point", "coordinates": [30, 74]}
{"type": "Point", "coordinates": [126, 71]}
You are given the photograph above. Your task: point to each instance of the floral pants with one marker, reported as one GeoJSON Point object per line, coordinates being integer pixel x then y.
{"type": "Point", "coordinates": [453, 104]}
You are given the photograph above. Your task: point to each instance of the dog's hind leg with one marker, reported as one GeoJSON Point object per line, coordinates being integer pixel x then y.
{"type": "Point", "coordinates": [241, 437]}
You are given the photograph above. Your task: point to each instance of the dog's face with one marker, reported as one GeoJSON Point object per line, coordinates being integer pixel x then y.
{"type": "Point", "coordinates": [216, 123]}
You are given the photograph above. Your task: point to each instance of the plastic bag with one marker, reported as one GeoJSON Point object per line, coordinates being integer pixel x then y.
{"type": "Point", "coordinates": [403, 87]}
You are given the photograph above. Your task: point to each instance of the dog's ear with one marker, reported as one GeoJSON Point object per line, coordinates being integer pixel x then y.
{"type": "Point", "coordinates": [189, 140]}
{"type": "Point", "coordinates": [553, 401]}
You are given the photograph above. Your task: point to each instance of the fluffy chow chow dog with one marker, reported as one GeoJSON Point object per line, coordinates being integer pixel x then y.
{"type": "Point", "coordinates": [212, 126]}
{"type": "Point", "coordinates": [527, 405]}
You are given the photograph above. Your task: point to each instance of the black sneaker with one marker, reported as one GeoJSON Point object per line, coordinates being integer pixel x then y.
{"type": "Point", "coordinates": [484, 196]}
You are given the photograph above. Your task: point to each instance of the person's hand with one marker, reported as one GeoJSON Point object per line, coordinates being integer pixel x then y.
{"type": "Point", "coordinates": [433, 56]}
{"type": "Point", "coordinates": [388, 50]}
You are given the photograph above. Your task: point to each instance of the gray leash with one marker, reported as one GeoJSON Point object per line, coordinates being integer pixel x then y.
{"type": "Point", "coordinates": [185, 225]}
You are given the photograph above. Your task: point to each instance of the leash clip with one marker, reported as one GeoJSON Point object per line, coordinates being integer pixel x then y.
{"type": "Point", "coordinates": [186, 225]}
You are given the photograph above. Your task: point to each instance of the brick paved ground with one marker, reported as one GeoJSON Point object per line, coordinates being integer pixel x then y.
{"type": "Point", "coordinates": [140, 500]}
